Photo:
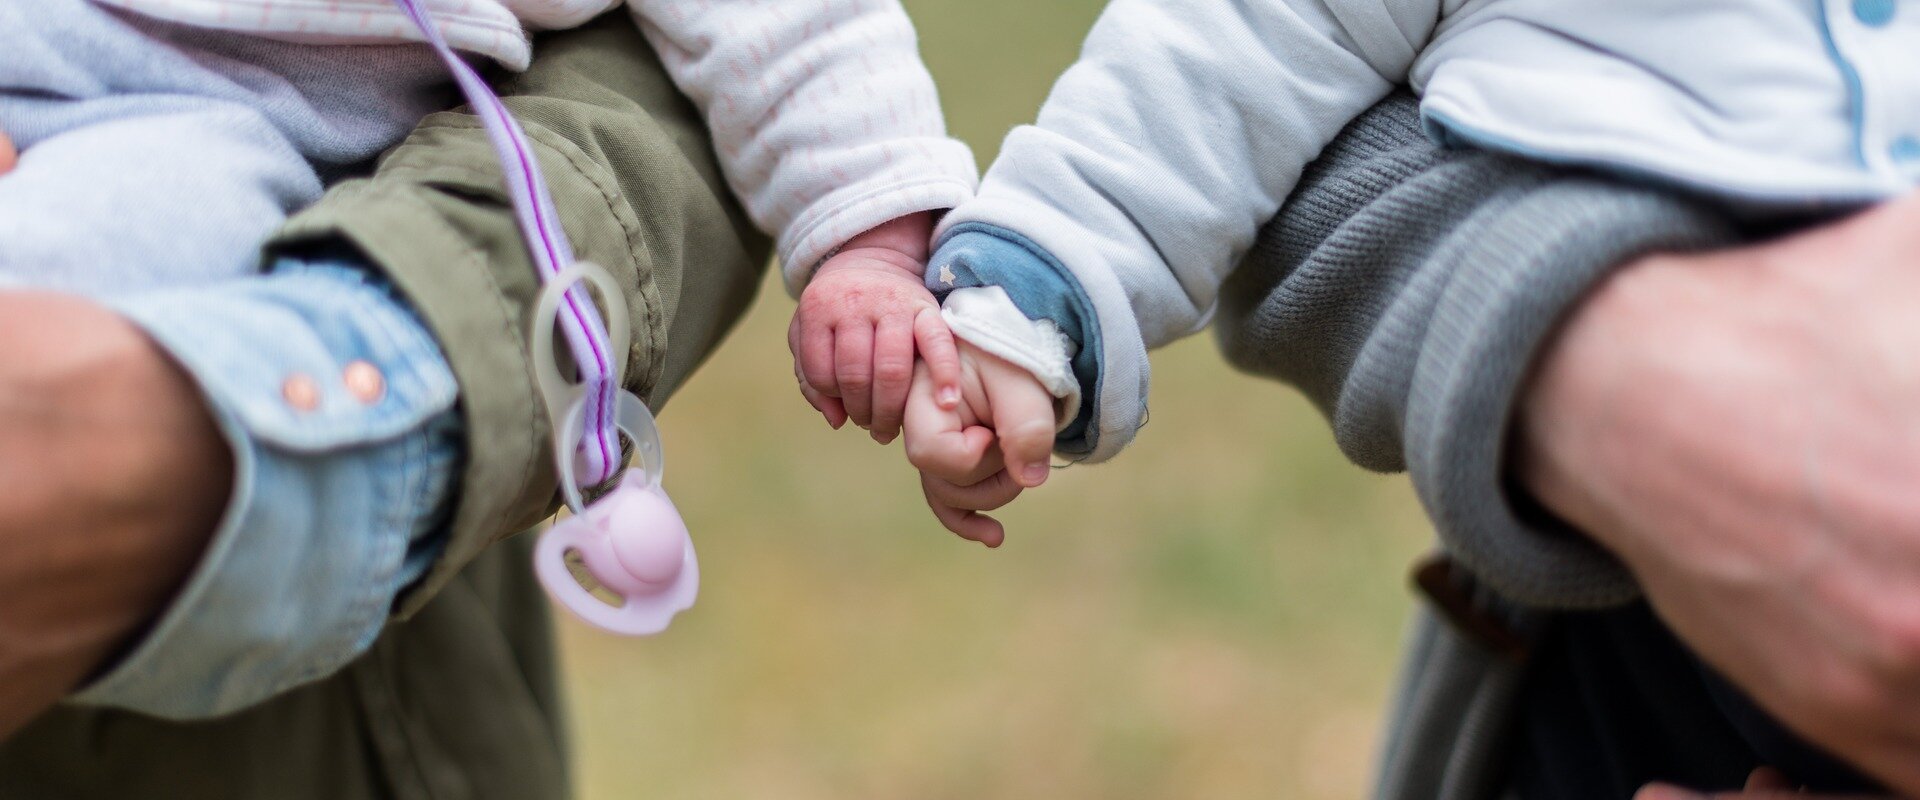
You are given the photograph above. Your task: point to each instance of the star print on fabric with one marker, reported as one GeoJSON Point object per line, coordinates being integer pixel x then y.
{"type": "Point", "coordinates": [946, 274]}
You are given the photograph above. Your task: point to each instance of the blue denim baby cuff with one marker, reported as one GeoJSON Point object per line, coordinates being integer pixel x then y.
{"type": "Point", "coordinates": [976, 254]}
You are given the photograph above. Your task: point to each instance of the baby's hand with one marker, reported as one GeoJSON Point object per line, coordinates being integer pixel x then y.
{"type": "Point", "coordinates": [980, 455]}
{"type": "Point", "coordinates": [859, 323]}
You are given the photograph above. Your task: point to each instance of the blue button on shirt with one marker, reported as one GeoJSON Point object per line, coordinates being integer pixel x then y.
{"type": "Point", "coordinates": [1905, 151]}
{"type": "Point", "coordinates": [335, 509]}
{"type": "Point", "coordinates": [1876, 13]}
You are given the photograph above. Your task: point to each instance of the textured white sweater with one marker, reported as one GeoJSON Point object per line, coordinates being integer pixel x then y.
{"type": "Point", "coordinates": [825, 119]}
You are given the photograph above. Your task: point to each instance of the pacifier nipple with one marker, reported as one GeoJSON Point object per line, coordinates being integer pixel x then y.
{"type": "Point", "coordinates": [651, 554]}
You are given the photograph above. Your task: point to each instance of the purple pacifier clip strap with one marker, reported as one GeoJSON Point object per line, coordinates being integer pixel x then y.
{"type": "Point", "coordinates": [579, 320]}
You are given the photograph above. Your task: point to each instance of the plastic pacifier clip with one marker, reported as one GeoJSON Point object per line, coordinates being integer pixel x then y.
{"type": "Point", "coordinates": [631, 541]}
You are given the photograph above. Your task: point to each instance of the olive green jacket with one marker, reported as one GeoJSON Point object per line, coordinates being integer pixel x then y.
{"type": "Point", "coordinates": [457, 699]}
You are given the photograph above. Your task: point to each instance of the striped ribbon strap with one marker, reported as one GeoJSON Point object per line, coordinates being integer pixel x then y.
{"type": "Point", "coordinates": [579, 321]}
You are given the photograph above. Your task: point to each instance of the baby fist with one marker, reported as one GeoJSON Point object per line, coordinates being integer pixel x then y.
{"type": "Point", "coordinates": [860, 323]}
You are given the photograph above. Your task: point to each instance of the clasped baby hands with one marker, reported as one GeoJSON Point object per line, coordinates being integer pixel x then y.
{"type": "Point", "coordinates": [870, 346]}
{"type": "Point", "coordinates": [980, 454]}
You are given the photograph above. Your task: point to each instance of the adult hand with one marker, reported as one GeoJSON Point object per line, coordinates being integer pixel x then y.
{"type": "Point", "coordinates": [1743, 429]}
{"type": "Point", "coordinates": [112, 478]}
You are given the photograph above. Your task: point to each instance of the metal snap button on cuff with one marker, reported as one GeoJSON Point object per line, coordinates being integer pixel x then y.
{"type": "Point", "coordinates": [301, 392]}
{"type": "Point", "coordinates": [365, 382]}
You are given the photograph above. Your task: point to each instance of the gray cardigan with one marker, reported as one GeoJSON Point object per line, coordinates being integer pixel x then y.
{"type": "Point", "coordinates": [1405, 289]}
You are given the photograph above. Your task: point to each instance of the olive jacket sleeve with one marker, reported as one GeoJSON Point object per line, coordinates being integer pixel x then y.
{"type": "Point", "coordinates": [633, 175]}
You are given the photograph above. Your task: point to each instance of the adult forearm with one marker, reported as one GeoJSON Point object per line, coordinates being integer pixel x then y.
{"type": "Point", "coordinates": [1739, 427]}
{"type": "Point", "coordinates": [113, 477]}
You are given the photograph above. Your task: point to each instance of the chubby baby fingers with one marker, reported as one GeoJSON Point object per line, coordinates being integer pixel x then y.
{"type": "Point", "coordinates": [1023, 418]}
{"type": "Point", "coordinates": [892, 375]}
{"type": "Point", "coordinates": [813, 368]}
{"type": "Point", "coordinates": [940, 441]}
{"type": "Point", "coordinates": [940, 354]}
{"type": "Point", "coordinates": [853, 369]}
{"type": "Point", "coordinates": [828, 407]}
{"type": "Point", "coordinates": [970, 525]}
{"type": "Point", "coordinates": [812, 344]}
{"type": "Point", "coordinates": [996, 491]}
{"type": "Point", "coordinates": [964, 456]}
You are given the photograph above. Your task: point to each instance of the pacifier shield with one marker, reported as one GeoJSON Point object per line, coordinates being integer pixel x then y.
{"type": "Point", "coordinates": [645, 525]}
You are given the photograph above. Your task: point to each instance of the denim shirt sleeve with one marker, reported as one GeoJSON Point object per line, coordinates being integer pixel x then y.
{"type": "Point", "coordinates": [976, 254]}
{"type": "Point", "coordinates": [336, 506]}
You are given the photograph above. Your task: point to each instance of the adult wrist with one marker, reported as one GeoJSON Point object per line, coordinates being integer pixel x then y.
{"type": "Point", "coordinates": [1665, 375]}
{"type": "Point", "coordinates": [339, 491]}
{"type": "Point", "coordinates": [1512, 282]}
{"type": "Point", "coordinates": [117, 475]}
{"type": "Point", "coordinates": [1567, 415]}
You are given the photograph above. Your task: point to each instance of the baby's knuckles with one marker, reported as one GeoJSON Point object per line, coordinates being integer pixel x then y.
{"type": "Point", "coordinates": [893, 368]}
{"type": "Point", "coordinates": [1030, 438]}
{"type": "Point", "coordinates": [863, 291]}
{"type": "Point", "coordinates": [923, 452]}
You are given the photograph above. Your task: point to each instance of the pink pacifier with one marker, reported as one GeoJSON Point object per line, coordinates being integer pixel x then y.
{"type": "Point", "coordinates": [631, 541]}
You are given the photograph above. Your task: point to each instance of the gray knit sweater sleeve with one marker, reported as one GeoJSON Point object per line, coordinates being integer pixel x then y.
{"type": "Point", "coordinates": [1406, 288]}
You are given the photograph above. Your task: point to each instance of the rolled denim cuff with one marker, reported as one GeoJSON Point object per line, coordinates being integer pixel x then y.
{"type": "Point", "coordinates": [341, 413]}
{"type": "Point", "coordinates": [976, 254]}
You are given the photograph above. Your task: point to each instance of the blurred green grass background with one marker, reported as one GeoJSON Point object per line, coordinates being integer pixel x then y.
{"type": "Point", "coordinates": [1214, 615]}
